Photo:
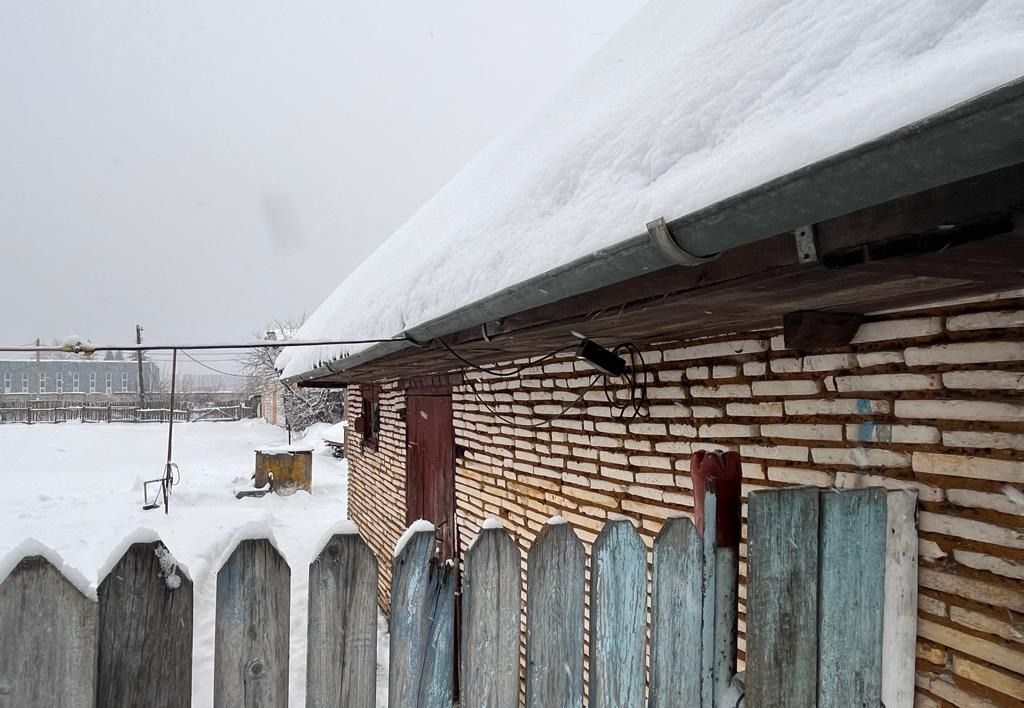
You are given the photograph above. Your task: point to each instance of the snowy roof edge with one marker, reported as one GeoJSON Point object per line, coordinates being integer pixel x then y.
{"type": "Point", "coordinates": [972, 137]}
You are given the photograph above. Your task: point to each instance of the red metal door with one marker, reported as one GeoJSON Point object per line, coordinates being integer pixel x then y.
{"type": "Point", "coordinates": [430, 466]}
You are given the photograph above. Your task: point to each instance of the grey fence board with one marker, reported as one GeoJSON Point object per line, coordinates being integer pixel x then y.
{"type": "Point", "coordinates": [782, 598]}
{"type": "Point", "coordinates": [554, 619]}
{"type": "Point", "coordinates": [47, 640]}
{"type": "Point", "coordinates": [851, 597]}
{"type": "Point", "coordinates": [676, 613]}
{"type": "Point", "coordinates": [491, 609]}
{"type": "Point", "coordinates": [145, 634]}
{"type": "Point", "coordinates": [422, 627]}
{"type": "Point", "coordinates": [341, 658]}
{"type": "Point", "coordinates": [899, 630]}
{"type": "Point", "coordinates": [251, 646]}
{"type": "Point", "coordinates": [618, 609]}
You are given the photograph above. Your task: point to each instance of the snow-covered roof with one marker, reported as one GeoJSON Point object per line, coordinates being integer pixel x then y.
{"type": "Point", "coordinates": [690, 103]}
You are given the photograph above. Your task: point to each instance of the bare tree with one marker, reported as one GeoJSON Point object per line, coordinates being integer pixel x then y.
{"type": "Point", "coordinates": [302, 407]}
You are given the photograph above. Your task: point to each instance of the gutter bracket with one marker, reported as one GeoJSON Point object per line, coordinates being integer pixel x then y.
{"type": "Point", "coordinates": [806, 244]}
{"type": "Point", "coordinates": [660, 237]}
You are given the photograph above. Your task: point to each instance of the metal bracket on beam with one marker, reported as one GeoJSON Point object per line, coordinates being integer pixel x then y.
{"type": "Point", "coordinates": [660, 236]}
{"type": "Point", "coordinates": [806, 244]}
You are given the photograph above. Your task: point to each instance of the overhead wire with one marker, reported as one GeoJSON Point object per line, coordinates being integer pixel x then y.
{"type": "Point", "coordinates": [205, 366]}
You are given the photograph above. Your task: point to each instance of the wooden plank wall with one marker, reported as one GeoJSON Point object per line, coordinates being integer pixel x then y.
{"type": "Point", "coordinates": [818, 565]}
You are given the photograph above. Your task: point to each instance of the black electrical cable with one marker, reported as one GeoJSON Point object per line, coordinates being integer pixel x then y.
{"type": "Point", "coordinates": [636, 376]}
{"type": "Point", "coordinates": [512, 372]}
{"type": "Point", "coordinates": [206, 366]}
{"type": "Point", "coordinates": [544, 421]}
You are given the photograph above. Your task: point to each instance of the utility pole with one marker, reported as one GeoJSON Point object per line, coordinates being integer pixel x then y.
{"type": "Point", "coordinates": [138, 355]}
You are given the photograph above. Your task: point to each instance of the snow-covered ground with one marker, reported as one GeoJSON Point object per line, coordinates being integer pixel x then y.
{"type": "Point", "coordinates": [77, 489]}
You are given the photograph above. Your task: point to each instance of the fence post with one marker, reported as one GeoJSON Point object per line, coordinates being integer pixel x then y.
{"type": "Point", "coordinates": [717, 508]}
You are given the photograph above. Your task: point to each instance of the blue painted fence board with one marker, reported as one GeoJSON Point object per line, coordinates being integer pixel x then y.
{"type": "Point", "coordinates": [676, 612]}
{"type": "Point", "coordinates": [554, 620]}
{"type": "Point", "coordinates": [618, 609]}
{"type": "Point", "coordinates": [422, 627]}
{"type": "Point", "coordinates": [851, 598]}
{"type": "Point", "coordinates": [782, 599]}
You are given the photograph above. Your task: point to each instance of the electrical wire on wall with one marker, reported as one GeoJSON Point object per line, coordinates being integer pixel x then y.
{"type": "Point", "coordinates": [635, 404]}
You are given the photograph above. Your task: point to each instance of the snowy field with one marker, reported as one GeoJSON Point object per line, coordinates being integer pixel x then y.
{"type": "Point", "coordinates": [77, 489]}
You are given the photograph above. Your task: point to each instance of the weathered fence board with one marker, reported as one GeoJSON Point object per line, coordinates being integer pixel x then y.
{"type": "Point", "coordinates": [341, 658]}
{"type": "Point", "coordinates": [782, 598]}
{"type": "Point", "coordinates": [554, 619]}
{"type": "Point", "coordinates": [851, 597]}
{"type": "Point", "coordinates": [145, 632]}
{"type": "Point", "coordinates": [676, 611]}
{"type": "Point", "coordinates": [491, 609]}
{"type": "Point", "coordinates": [47, 640]}
{"type": "Point", "coordinates": [618, 609]}
{"type": "Point", "coordinates": [251, 645]}
{"type": "Point", "coordinates": [422, 627]}
{"type": "Point", "coordinates": [717, 482]}
{"type": "Point", "coordinates": [899, 630]}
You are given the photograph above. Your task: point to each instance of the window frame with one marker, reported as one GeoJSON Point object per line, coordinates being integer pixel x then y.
{"type": "Point", "coordinates": [76, 382]}
{"type": "Point", "coordinates": [42, 382]}
{"type": "Point", "coordinates": [24, 382]}
{"type": "Point", "coordinates": [370, 414]}
{"type": "Point", "coordinates": [108, 383]}
{"type": "Point", "coordinates": [124, 382]}
{"type": "Point", "coordinates": [92, 382]}
{"type": "Point", "coordinates": [59, 382]}
{"type": "Point", "coordinates": [8, 382]}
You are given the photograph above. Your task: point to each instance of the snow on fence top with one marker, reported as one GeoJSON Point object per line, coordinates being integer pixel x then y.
{"type": "Point", "coordinates": [692, 102]}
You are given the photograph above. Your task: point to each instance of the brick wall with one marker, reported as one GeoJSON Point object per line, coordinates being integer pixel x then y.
{"type": "Point", "coordinates": [931, 399]}
{"type": "Point", "coordinates": [376, 486]}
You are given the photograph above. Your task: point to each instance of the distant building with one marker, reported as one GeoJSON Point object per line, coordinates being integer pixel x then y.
{"type": "Point", "coordinates": [78, 377]}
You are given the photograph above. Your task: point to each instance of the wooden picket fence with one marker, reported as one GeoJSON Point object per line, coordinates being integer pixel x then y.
{"type": "Point", "coordinates": [59, 412]}
{"type": "Point", "coordinates": [814, 620]}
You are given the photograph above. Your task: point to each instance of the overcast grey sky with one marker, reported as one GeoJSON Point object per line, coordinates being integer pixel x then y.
{"type": "Point", "coordinates": [204, 167]}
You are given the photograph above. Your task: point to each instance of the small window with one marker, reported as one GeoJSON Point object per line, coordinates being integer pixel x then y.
{"type": "Point", "coordinates": [109, 384]}
{"type": "Point", "coordinates": [124, 382]}
{"type": "Point", "coordinates": [76, 382]}
{"type": "Point", "coordinates": [7, 382]}
{"type": "Point", "coordinates": [42, 382]}
{"type": "Point", "coordinates": [60, 382]}
{"type": "Point", "coordinates": [24, 382]}
{"type": "Point", "coordinates": [370, 415]}
{"type": "Point", "coordinates": [92, 382]}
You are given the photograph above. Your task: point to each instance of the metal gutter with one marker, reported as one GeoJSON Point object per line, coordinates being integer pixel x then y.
{"type": "Point", "coordinates": [980, 135]}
